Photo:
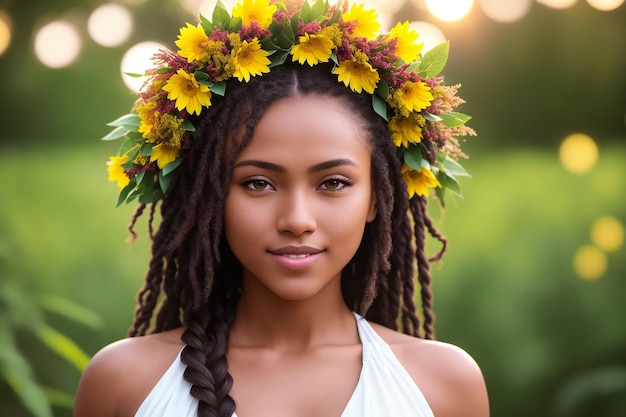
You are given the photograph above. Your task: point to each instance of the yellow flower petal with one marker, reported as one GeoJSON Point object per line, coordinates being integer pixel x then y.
{"type": "Point", "coordinates": [163, 154]}
{"type": "Point", "coordinates": [192, 43]}
{"type": "Point", "coordinates": [250, 60]}
{"type": "Point", "coordinates": [366, 24]}
{"type": "Point", "coordinates": [259, 11]}
{"type": "Point", "coordinates": [312, 49]}
{"type": "Point", "coordinates": [357, 75]}
{"type": "Point", "coordinates": [116, 171]}
{"type": "Point", "coordinates": [188, 93]}
{"type": "Point", "coordinates": [414, 96]}
{"type": "Point", "coordinates": [418, 182]}
{"type": "Point", "coordinates": [407, 49]}
{"type": "Point", "coordinates": [405, 130]}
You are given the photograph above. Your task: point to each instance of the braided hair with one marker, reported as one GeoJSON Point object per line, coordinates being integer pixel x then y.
{"type": "Point", "coordinates": [193, 278]}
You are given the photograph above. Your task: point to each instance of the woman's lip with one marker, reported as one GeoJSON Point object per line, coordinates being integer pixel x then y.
{"type": "Point", "coordinates": [297, 262]}
{"type": "Point", "coordinates": [296, 251]}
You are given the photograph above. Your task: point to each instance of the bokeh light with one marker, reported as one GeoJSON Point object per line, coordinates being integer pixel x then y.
{"type": "Point", "coordinates": [607, 233]}
{"type": "Point", "coordinates": [557, 4]}
{"type": "Point", "coordinates": [205, 7]}
{"type": "Point", "coordinates": [605, 5]}
{"type": "Point", "coordinates": [449, 10]}
{"type": "Point", "coordinates": [57, 44]}
{"type": "Point", "coordinates": [578, 153]}
{"type": "Point", "coordinates": [429, 34]}
{"type": "Point", "coordinates": [137, 60]}
{"type": "Point", "coordinates": [590, 263]}
{"type": "Point", "coordinates": [110, 25]}
{"type": "Point", "coordinates": [5, 31]}
{"type": "Point", "coordinates": [505, 11]}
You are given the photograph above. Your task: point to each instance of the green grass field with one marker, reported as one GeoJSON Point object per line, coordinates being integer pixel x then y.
{"type": "Point", "coordinates": [506, 291]}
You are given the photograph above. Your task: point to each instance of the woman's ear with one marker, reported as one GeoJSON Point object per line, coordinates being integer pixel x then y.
{"type": "Point", "coordinates": [371, 214]}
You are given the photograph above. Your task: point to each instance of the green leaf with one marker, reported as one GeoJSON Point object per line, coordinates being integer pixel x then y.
{"type": "Point", "coordinates": [319, 9]}
{"type": "Point", "coordinates": [434, 60]}
{"type": "Point", "coordinates": [17, 372]}
{"type": "Point", "coordinates": [164, 70]}
{"type": "Point", "coordinates": [151, 196]}
{"type": "Point", "coordinates": [146, 149]}
{"type": "Point", "coordinates": [413, 157]}
{"type": "Point", "coordinates": [69, 310]}
{"type": "Point", "coordinates": [454, 119]}
{"type": "Point", "coordinates": [452, 167]}
{"type": "Point", "coordinates": [382, 89]}
{"type": "Point", "coordinates": [140, 177]}
{"type": "Point", "coordinates": [235, 24]}
{"type": "Point", "coordinates": [118, 132]}
{"type": "Point", "coordinates": [220, 17]}
{"type": "Point", "coordinates": [166, 181]}
{"type": "Point", "coordinates": [278, 58]}
{"type": "Point", "coordinates": [59, 398]}
{"type": "Point", "coordinates": [124, 193]}
{"type": "Point", "coordinates": [201, 76]}
{"type": "Point", "coordinates": [305, 12]}
{"type": "Point", "coordinates": [206, 24]}
{"type": "Point", "coordinates": [431, 117]}
{"type": "Point", "coordinates": [218, 88]}
{"type": "Point", "coordinates": [63, 346]}
{"type": "Point", "coordinates": [380, 107]}
{"type": "Point", "coordinates": [449, 182]}
{"type": "Point", "coordinates": [441, 195]}
{"type": "Point", "coordinates": [188, 125]}
{"type": "Point", "coordinates": [134, 74]}
{"type": "Point", "coordinates": [171, 167]}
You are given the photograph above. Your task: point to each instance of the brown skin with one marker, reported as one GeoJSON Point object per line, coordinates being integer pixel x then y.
{"type": "Point", "coordinates": [294, 348]}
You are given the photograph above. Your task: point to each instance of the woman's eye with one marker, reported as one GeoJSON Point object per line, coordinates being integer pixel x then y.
{"type": "Point", "coordinates": [258, 185]}
{"type": "Point", "coordinates": [334, 184]}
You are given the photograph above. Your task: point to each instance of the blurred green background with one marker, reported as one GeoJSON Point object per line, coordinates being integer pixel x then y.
{"type": "Point", "coordinates": [534, 283]}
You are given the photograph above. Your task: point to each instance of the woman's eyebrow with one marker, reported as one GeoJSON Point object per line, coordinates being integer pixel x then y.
{"type": "Point", "coordinates": [333, 163]}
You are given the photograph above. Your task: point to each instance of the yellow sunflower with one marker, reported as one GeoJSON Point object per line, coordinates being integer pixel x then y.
{"type": "Point", "coordinates": [405, 130]}
{"type": "Point", "coordinates": [163, 154]}
{"type": "Point", "coordinates": [116, 171]}
{"type": "Point", "coordinates": [313, 49]}
{"type": "Point", "coordinates": [250, 60]}
{"type": "Point", "coordinates": [366, 24]}
{"type": "Point", "coordinates": [259, 11]}
{"type": "Point", "coordinates": [407, 49]}
{"type": "Point", "coordinates": [418, 182]}
{"type": "Point", "coordinates": [188, 93]}
{"type": "Point", "coordinates": [192, 42]}
{"type": "Point", "coordinates": [413, 96]}
{"type": "Point", "coordinates": [357, 74]}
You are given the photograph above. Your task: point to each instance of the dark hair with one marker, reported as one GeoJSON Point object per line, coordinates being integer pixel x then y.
{"type": "Point", "coordinates": [197, 280]}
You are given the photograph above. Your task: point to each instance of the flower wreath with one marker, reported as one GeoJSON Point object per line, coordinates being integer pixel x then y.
{"type": "Point", "coordinates": [405, 86]}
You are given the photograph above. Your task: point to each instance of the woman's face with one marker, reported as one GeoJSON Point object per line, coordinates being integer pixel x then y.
{"type": "Point", "coordinates": [299, 198]}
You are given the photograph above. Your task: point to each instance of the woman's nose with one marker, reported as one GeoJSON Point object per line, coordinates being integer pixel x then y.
{"type": "Point", "coordinates": [296, 213]}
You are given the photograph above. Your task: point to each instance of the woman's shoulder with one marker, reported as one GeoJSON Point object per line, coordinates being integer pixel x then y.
{"type": "Point", "coordinates": [122, 374]}
{"type": "Point", "coordinates": [442, 371]}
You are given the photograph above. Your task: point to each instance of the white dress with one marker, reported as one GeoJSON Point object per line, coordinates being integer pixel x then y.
{"type": "Point", "coordinates": [384, 389]}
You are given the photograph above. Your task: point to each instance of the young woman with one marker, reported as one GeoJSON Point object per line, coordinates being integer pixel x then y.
{"type": "Point", "coordinates": [293, 219]}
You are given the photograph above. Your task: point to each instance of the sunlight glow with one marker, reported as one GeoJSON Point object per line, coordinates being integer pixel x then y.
{"type": "Point", "coordinates": [449, 10]}
{"type": "Point", "coordinates": [5, 31]}
{"type": "Point", "coordinates": [578, 153]}
{"type": "Point", "coordinates": [137, 60]}
{"type": "Point", "coordinates": [607, 233]}
{"type": "Point", "coordinates": [57, 44]}
{"type": "Point", "coordinates": [505, 11]}
{"type": "Point", "coordinates": [590, 263]}
{"type": "Point", "coordinates": [557, 4]}
{"type": "Point", "coordinates": [429, 34]}
{"type": "Point", "coordinates": [110, 25]}
{"type": "Point", "coordinates": [605, 5]}
{"type": "Point", "coordinates": [205, 7]}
